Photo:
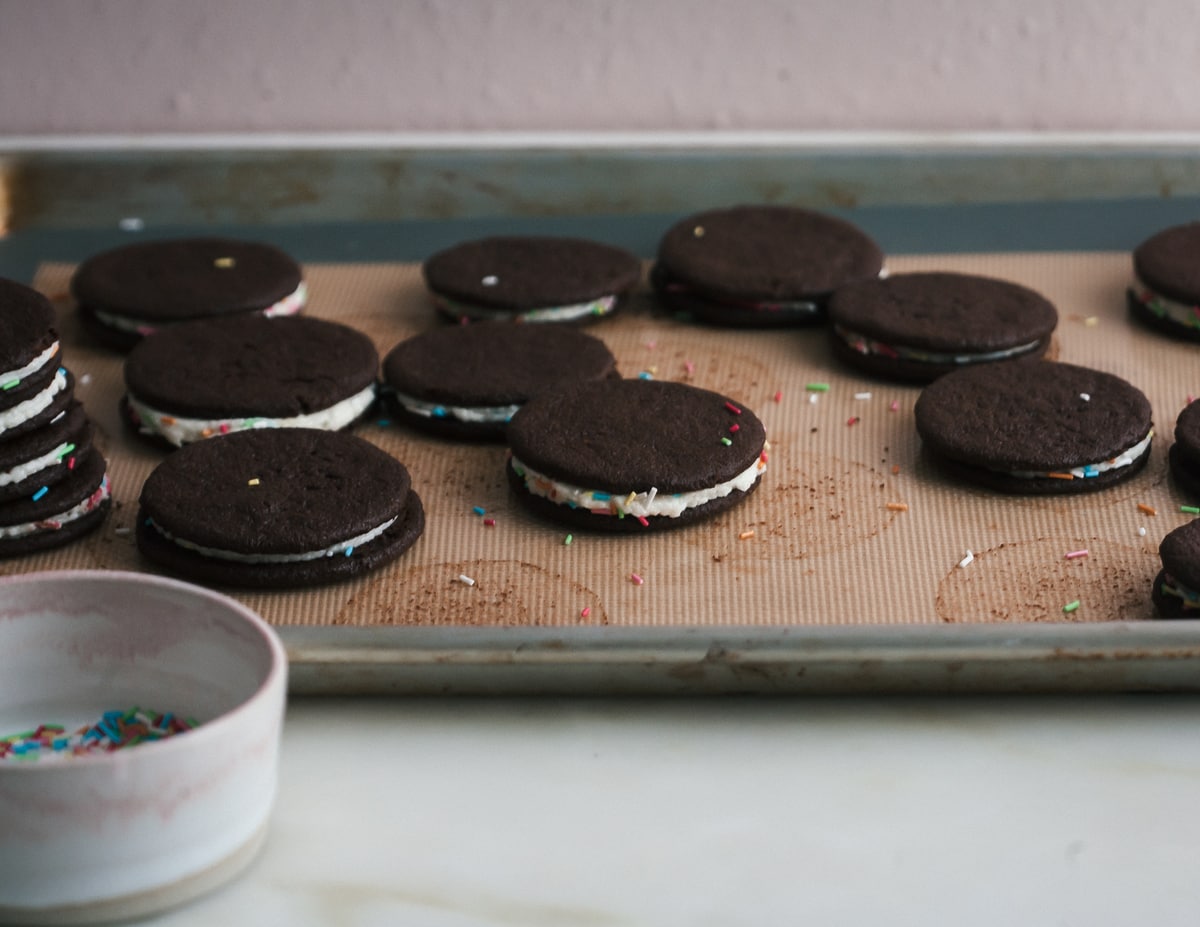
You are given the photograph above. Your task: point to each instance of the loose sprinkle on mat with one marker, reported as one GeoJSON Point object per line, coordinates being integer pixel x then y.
{"type": "Point", "coordinates": [853, 420]}
{"type": "Point", "coordinates": [568, 539]}
{"type": "Point", "coordinates": [817, 387]}
{"type": "Point", "coordinates": [1147, 509]}
{"type": "Point", "coordinates": [489, 522]}
{"type": "Point", "coordinates": [894, 405]}
{"type": "Point", "coordinates": [1141, 532]}
{"type": "Point", "coordinates": [1071, 606]}
{"type": "Point", "coordinates": [1189, 510]}
{"type": "Point", "coordinates": [587, 610]}
{"type": "Point", "coordinates": [636, 579]}
{"type": "Point", "coordinates": [465, 579]}
{"type": "Point", "coordinates": [897, 506]}
{"type": "Point", "coordinates": [895, 469]}
{"type": "Point", "coordinates": [966, 561]}
{"type": "Point", "coordinates": [746, 535]}
{"type": "Point", "coordinates": [689, 367]}
{"type": "Point", "coordinates": [862, 395]}
{"type": "Point", "coordinates": [779, 395]}
{"type": "Point", "coordinates": [479, 510]}
{"type": "Point", "coordinates": [1076, 554]}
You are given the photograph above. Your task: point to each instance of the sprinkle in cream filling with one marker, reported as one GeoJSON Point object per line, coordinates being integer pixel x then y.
{"type": "Point", "coordinates": [864, 345]}
{"type": "Point", "coordinates": [1124, 459]}
{"type": "Point", "coordinates": [180, 431]}
{"type": "Point", "coordinates": [54, 522]}
{"type": "Point", "coordinates": [1173, 587]}
{"type": "Point", "coordinates": [473, 414]}
{"type": "Point", "coordinates": [30, 467]}
{"type": "Point", "coordinates": [342, 548]}
{"type": "Point", "coordinates": [34, 405]}
{"type": "Point", "coordinates": [1161, 306]}
{"type": "Point", "coordinates": [601, 306]}
{"type": "Point", "coordinates": [289, 305]}
{"type": "Point", "coordinates": [11, 378]}
{"type": "Point", "coordinates": [648, 504]}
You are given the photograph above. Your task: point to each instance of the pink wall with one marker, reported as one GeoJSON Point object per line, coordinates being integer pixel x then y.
{"type": "Point", "coordinates": [133, 66]}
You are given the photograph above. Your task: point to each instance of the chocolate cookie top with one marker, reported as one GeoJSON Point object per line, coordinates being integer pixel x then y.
{"type": "Point", "coordinates": [26, 326]}
{"type": "Point", "coordinates": [1038, 418]}
{"type": "Point", "coordinates": [626, 435]}
{"type": "Point", "coordinates": [159, 282]}
{"type": "Point", "coordinates": [763, 253]}
{"type": "Point", "coordinates": [1169, 263]}
{"type": "Point", "coordinates": [251, 366]}
{"type": "Point", "coordinates": [1180, 552]}
{"type": "Point", "coordinates": [494, 363]}
{"type": "Point", "coordinates": [275, 491]}
{"type": "Point", "coordinates": [514, 275]}
{"type": "Point", "coordinates": [944, 313]}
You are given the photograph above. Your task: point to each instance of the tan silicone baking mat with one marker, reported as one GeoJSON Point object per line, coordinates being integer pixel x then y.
{"type": "Point", "coordinates": [824, 540]}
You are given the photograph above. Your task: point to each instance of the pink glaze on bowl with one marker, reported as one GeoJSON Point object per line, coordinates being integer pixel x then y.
{"type": "Point", "coordinates": [127, 833]}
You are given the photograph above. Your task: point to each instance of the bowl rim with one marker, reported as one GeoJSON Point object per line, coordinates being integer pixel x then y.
{"type": "Point", "coordinates": [275, 677]}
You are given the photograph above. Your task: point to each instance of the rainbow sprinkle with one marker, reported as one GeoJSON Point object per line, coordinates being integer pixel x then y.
{"type": "Point", "coordinates": [115, 730]}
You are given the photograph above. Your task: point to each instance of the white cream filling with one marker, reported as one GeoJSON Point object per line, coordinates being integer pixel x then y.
{"type": "Point", "coordinates": [343, 548]}
{"type": "Point", "coordinates": [180, 431]}
{"type": "Point", "coordinates": [16, 376]}
{"type": "Point", "coordinates": [1124, 459]}
{"type": "Point", "coordinates": [54, 522]}
{"type": "Point", "coordinates": [637, 504]}
{"type": "Point", "coordinates": [474, 414]}
{"type": "Point", "coordinates": [289, 305]}
{"type": "Point", "coordinates": [1190, 597]}
{"type": "Point", "coordinates": [601, 306]}
{"type": "Point", "coordinates": [865, 345]}
{"type": "Point", "coordinates": [1161, 306]}
{"type": "Point", "coordinates": [35, 405]}
{"type": "Point", "coordinates": [30, 467]}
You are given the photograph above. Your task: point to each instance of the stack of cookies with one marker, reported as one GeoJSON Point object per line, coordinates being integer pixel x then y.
{"type": "Point", "coordinates": [53, 483]}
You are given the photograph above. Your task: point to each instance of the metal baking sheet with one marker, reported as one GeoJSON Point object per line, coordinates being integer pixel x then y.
{"type": "Point", "coordinates": [833, 592]}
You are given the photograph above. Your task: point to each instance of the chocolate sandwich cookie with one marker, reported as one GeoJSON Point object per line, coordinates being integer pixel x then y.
{"type": "Point", "coordinates": [57, 514]}
{"type": "Point", "coordinates": [1176, 589]}
{"type": "Point", "coordinates": [631, 455]}
{"type": "Point", "coordinates": [467, 381]}
{"type": "Point", "coordinates": [530, 279]}
{"type": "Point", "coordinates": [44, 456]}
{"type": "Point", "coordinates": [760, 265]}
{"type": "Point", "coordinates": [278, 508]}
{"type": "Point", "coordinates": [33, 386]}
{"type": "Point", "coordinates": [1035, 426]}
{"type": "Point", "coordinates": [131, 291]}
{"type": "Point", "coordinates": [919, 326]}
{"type": "Point", "coordinates": [1165, 291]}
{"type": "Point", "coordinates": [195, 380]}
{"type": "Point", "coordinates": [1184, 455]}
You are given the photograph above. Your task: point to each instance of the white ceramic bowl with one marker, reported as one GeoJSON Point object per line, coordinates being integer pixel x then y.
{"type": "Point", "coordinates": [123, 834]}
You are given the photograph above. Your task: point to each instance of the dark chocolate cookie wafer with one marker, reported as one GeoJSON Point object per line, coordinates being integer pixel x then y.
{"type": "Point", "coordinates": [200, 379]}
{"type": "Point", "coordinates": [760, 265]}
{"type": "Point", "coordinates": [1165, 292]}
{"type": "Point", "coordinates": [278, 508]}
{"type": "Point", "coordinates": [467, 381]}
{"type": "Point", "coordinates": [627, 455]}
{"type": "Point", "coordinates": [531, 279]}
{"type": "Point", "coordinates": [57, 514]}
{"type": "Point", "coordinates": [1035, 426]}
{"type": "Point", "coordinates": [44, 456]}
{"type": "Point", "coordinates": [1184, 455]}
{"type": "Point", "coordinates": [33, 388]}
{"type": "Point", "coordinates": [1176, 589]}
{"type": "Point", "coordinates": [133, 290]}
{"type": "Point", "coordinates": [919, 326]}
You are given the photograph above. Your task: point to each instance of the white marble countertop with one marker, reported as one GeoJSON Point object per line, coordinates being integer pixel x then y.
{"type": "Point", "coordinates": [588, 813]}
